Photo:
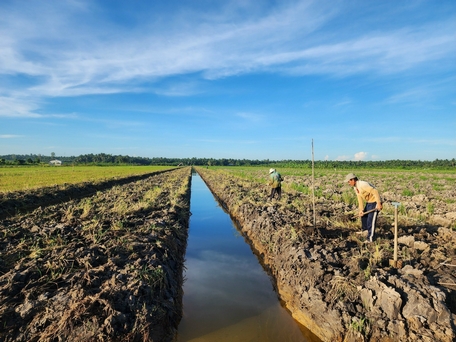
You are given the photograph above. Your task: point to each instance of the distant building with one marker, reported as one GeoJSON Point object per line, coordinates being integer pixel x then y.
{"type": "Point", "coordinates": [56, 162]}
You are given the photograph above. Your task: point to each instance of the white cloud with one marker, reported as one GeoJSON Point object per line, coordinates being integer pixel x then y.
{"type": "Point", "coordinates": [342, 158]}
{"type": "Point", "coordinates": [360, 156]}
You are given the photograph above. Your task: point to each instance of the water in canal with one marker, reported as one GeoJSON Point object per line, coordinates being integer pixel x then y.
{"type": "Point", "coordinates": [227, 294]}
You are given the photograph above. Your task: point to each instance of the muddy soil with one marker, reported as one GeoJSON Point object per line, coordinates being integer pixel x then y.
{"type": "Point", "coordinates": [106, 266]}
{"type": "Point", "coordinates": [336, 284]}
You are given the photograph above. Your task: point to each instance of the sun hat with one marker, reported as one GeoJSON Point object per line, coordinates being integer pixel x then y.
{"type": "Point", "coordinates": [271, 170]}
{"type": "Point", "coordinates": [350, 176]}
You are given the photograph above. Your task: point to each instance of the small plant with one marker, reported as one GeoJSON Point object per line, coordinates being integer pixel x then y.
{"type": "Point", "coordinates": [406, 256]}
{"type": "Point", "coordinates": [54, 241]}
{"type": "Point", "coordinates": [360, 325]}
{"type": "Point", "coordinates": [349, 197]}
{"type": "Point", "coordinates": [36, 250]}
{"type": "Point", "coordinates": [117, 225]}
{"type": "Point", "coordinates": [437, 187]}
{"type": "Point", "coordinates": [152, 194]}
{"type": "Point", "coordinates": [86, 207]}
{"type": "Point", "coordinates": [153, 276]}
{"type": "Point", "coordinates": [342, 289]}
{"type": "Point", "coordinates": [301, 188]}
{"type": "Point", "coordinates": [377, 255]}
{"type": "Point", "coordinates": [293, 234]}
{"type": "Point", "coordinates": [70, 212]}
{"type": "Point", "coordinates": [407, 192]}
{"type": "Point", "coordinates": [367, 272]}
{"type": "Point", "coordinates": [430, 208]}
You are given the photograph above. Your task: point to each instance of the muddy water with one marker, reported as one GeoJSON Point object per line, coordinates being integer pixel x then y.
{"type": "Point", "coordinates": [227, 294]}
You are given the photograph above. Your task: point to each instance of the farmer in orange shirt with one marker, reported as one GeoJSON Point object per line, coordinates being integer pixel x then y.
{"type": "Point", "coordinates": [369, 203]}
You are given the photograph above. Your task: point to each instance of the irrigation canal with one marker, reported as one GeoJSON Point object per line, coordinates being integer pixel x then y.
{"type": "Point", "coordinates": [227, 294]}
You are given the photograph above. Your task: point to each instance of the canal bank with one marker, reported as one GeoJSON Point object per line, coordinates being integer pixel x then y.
{"type": "Point", "coordinates": [339, 287]}
{"type": "Point", "coordinates": [227, 294]}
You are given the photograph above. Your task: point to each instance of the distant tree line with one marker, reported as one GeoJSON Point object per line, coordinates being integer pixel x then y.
{"type": "Point", "coordinates": [108, 159]}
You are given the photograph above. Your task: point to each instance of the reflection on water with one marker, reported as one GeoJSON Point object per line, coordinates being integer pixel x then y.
{"type": "Point", "coordinates": [227, 294]}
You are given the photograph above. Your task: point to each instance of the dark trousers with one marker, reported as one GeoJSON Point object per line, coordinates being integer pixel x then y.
{"type": "Point", "coordinates": [369, 220]}
{"type": "Point", "coordinates": [277, 191]}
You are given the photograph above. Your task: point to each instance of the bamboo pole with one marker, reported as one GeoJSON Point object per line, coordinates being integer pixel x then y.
{"type": "Point", "coordinates": [396, 204]}
{"type": "Point", "coordinates": [313, 185]}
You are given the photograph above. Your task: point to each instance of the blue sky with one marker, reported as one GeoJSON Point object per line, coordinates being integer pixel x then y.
{"type": "Point", "coordinates": [366, 80]}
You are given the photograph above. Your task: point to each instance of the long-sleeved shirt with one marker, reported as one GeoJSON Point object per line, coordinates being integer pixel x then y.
{"type": "Point", "coordinates": [366, 192]}
{"type": "Point", "coordinates": [275, 179]}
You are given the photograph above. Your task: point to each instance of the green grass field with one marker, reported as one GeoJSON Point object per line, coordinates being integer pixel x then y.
{"type": "Point", "coordinates": [33, 177]}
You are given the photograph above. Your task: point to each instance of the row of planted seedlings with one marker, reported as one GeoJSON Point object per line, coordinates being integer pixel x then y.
{"type": "Point", "coordinates": [331, 281]}
{"type": "Point", "coordinates": [106, 267]}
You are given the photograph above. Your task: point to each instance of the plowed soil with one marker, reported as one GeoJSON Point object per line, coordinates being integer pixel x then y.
{"type": "Point", "coordinates": [106, 266]}
{"type": "Point", "coordinates": [336, 284]}
{"type": "Point", "coordinates": [104, 263]}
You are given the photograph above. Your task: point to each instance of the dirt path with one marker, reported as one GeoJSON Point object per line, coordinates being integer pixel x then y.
{"type": "Point", "coordinates": [339, 287]}
{"type": "Point", "coordinates": [102, 267]}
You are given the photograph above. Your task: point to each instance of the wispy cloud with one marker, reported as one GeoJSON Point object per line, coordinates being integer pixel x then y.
{"type": "Point", "coordinates": [18, 107]}
{"type": "Point", "coordinates": [10, 136]}
{"type": "Point", "coordinates": [250, 117]}
{"type": "Point", "coordinates": [408, 140]}
{"type": "Point", "coordinates": [228, 141]}
{"type": "Point", "coordinates": [421, 92]}
{"type": "Point", "coordinates": [179, 89]}
{"type": "Point", "coordinates": [343, 103]}
{"type": "Point", "coordinates": [100, 57]}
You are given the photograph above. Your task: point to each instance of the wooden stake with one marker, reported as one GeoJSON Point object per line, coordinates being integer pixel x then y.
{"type": "Point", "coordinates": [313, 184]}
{"type": "Point", "coordinates": [396, 204]}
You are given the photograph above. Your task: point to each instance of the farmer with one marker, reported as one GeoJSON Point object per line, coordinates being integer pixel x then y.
{"type": "Point", "coordinates": [369, 203]}
{"type": "Point", "coordinates": [275, 180]}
